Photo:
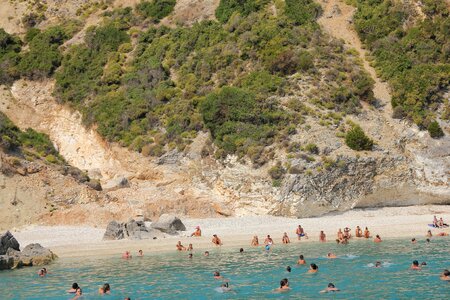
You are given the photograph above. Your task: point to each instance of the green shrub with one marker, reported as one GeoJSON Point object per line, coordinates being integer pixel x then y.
{"type": "Point", "coordinates": [302, 11]}
{"type": "Point", "coordinates": [156, 9]}
{"type": "Point", "coordinates": [227, 7]}
{"type": "Point", "coordinates": [357, 140]}
{"type": "Point", "coordinates": [9, 56]}
{"type": "Point", "coordinates": [435, 130]}
{"type": "Point", "coordinates": [312, 148]}
{"type": "Point", "coordinates": [9, 134]}
{"type": "Point", "coordinates": [277, 172]}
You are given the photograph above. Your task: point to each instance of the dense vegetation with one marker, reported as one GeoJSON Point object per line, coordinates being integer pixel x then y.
{"type": "Point", "coordinates": [413, 55]}
{"type": "Point", "coordinates": [9, 56]}
{"type": "Point", "coordinates": [29, 143]}
{"type": "Point", "coordinates": [156, 9]}
{"type": "Point", "coordinates": [357, 140]}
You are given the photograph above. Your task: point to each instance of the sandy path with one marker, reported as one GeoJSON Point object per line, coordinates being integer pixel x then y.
{"type": "Point", "coordinates": [394, 222]}
{"type": "Point", "coordinates": [339, 27]}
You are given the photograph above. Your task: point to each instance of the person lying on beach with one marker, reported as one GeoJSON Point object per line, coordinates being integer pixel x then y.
{"type": "Point", "coordinates": [285, 239]}
{"type": "Point", "coordinates": [300, 233]}
{"type": "Point", "coordinates": [140, 253]}
{"type": "Point", "coordinates": [415, 265]}
{"type": "Point", "coordinates": [197, 232]}
{"type": "Point", "coordinates": [358, 232]}
{"type": "Point", "coordinates": [442, 234]}
{"type": "Point", "coordinates": [377, 239]}
{"type": "Point", "coordinates": [322, 237]}
{"type": "Point", "coordinates": [301, 260]}
{"type": "Point", "coordinates": [331, 255]}
{"type": "Point", "coordinates": [313, 268]}
{"type": "Point", "coordinates": [180, 247]}
{"type": "Point", "coordinates": [105, 289]}
{"type": "Point", "coordinates": [441, 223]}
{"type": "Point", "coordinates": [78, 293]}
{"type": "Point", "coordinates": [217, 275]}
{"type": "Point", "coordinates": [190, 248]}
{"type": "Point", "coordinates": [445, 275]}
{"type": "Point", "coordinates": [429, 234]}
{"type": "Point", "coordinates": [216, 241]}
{"type": "Point", "coordinates": [366, 233]}
{"type": "Point", "coordinates": [74, 288]}
{"type": "Point", "coordinates": [126, 255]}
{"type": "Point", "coordinates": [255, 241]}
{"type": "Point", "coordinates": [284, 286]}
{"type": "Point", "coordinates": [330, 288]}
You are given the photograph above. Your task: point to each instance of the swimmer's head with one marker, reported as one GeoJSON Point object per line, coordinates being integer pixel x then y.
{"type": "Point", "coordinates": [331, 285]}
{"type": "Point", "coordinates": [214, 235]}
{"type": "Point", "coordinates": [378, 236]}
{"type": "Point", "coordinates": [446, 273]}
{"type": "Point", "coordinates": [314, 266]}
{"type": "Point", "coordinates": [79, 291]}
{"type": "Point", "coordinates": [378, 264]}
{"type": "Point", "coordinates": [288, 268]}
{"type": "Point", "coordinates": [413, 240]}
{"type": "Point", "coordinates": [75, 285]}
{"type": "Point", "coordinates": [190, 255]}
{"type": "Point", "coordinates": [284, 282]}
{"type": "Point", "coordinates": [301, 256]}
{"type": "Point", "coordinates": [268, 235]}
{"type": "Point", "coordinates": [206, 253]}
{"type": "Point", "coordinates": [428, 240]}
{"type": "Point", "coordinates": [415, 263]}
{"type": "Point", "coordinates": [140, 251]}
{"type": "Point", "coordinates": [106, 287]}
{"type": "Point", "coordinates": [423, 263]}
{"type": "Point", "coordinates": [216, 274]}
{"type": "Point", "coordinates": [241, 250]}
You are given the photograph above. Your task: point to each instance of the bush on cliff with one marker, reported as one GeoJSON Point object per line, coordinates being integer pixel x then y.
{"type": "Point", "coordinates": [357, 140]}
{"type": "Point", "coordinates": [435, 130]}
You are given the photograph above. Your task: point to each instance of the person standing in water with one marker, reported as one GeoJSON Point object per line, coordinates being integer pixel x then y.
{"type": "Point", "coordinates": [140, 253]}
{"type": "Point", "coordinates": [285, 239]}
{"type": "Point", "coordinates": [366, 233]}
{"type": "Point", "coordinates": [284, 286]}
{"type": "Point", "coordinates": [377, 239]}
{"type": "Point", "coordinates": [255, 241]}
{"type": "Point", "coordinates": [322, 237]}
{"type": "Point", "coordinates": [300, 233]}
{"type": "Point", "coordinates": [358, 232]}
{"type": "Point", "coordinates": [180, 247]}
{"type": "Point", "coordinates": [216, 240]}
{"type": "Point", "coordinates": [445, 275]}
{"type": "Point", "coordinates": [415, 265]}
{"type": "Point", "coordinates": [197, 232]}
{"type": "Point", "coordinates": [301, 260]}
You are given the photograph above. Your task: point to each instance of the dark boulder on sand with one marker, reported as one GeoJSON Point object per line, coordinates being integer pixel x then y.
{"type": "Point", "coordinates": [7, 240]}
{"type": "Point", "coordinates": [136, 230]}
{"type": "Point", "coordinates": [169, 224]}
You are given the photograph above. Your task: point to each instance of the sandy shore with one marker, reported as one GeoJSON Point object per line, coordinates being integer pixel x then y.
{"type": "Point", "coordinates": [393, 222]}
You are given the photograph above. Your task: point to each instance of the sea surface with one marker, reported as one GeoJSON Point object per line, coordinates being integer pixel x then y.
{"type": "Point", "coordinates": [253, 274]}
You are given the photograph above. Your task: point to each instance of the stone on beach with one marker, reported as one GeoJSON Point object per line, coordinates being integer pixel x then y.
{"type": "Point", "coordinates": [7, 241]}
{"type": "Point", "coordinates": [169, 224]}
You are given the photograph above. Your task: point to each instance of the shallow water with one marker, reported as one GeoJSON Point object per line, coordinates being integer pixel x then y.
{"type": "Point", "coordinates": [253, 274]}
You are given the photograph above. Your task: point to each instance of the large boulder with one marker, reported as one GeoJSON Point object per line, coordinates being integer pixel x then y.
{"type": "Point", "coordinates": [39, 255]}
{"type": "Point", "coordinates": [7, 240]}
{"type": "Point", "coordinates": [116, 183]}
{"type": "Point", "coordinates": [169, 224]}
{"type": "Point", "coordinates": [114, 231]}
{"type": "Point", "coordinates": [6, 262]}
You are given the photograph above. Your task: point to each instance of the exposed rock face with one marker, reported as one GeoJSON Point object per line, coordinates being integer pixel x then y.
{"type": "Point", "coordinates": [169, 224]}
{"type": "Point", "coordinates": [6, 262]}
{"type": "Point", "coordinates": [131, 230]}
{"type": "Point", "coordinates": [39, 255]}
{"type": "Point", "coordinates": [116, 183]}
{"type": "Point", "coordinates": [7, 240]}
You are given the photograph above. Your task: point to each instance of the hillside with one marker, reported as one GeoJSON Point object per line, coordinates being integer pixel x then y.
{"type": "Point", "coordinates": [216, 108]}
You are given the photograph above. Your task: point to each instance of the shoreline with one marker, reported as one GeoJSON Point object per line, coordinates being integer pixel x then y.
{"type": "Point", "coordinates": [237, 232]}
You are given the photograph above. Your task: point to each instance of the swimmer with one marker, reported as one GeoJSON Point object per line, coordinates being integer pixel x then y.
{"type": "Point", "coordinates": [413, 241]}
{"type": "Point", "coordinates": [330, 288]}
{"type": "Point", "coordinates": [423, 263]}
{"type": "Point", "coordinates": [190, 248]}
{"type": "Point", "coordinates": [180, 247]}
{"type": "Point", "coordinates": [347, 233]}
{"type": "Point", "coordinates": [415, 265]}
{"type": "Point", "coordinates": [217, 275]}
{"type": "Point", "coordinates": [216, 240]}
{"type": "Point", "coordinates": [331, 255]}
{"type": "Point", "coordinates": [255, 241]}
{"type": "Point", "coordinates": [197, 232]}
{"type": "Point", "coordinates": [285, 239]}
{"type": "Point", "coordinates": [105, 289]}
{"type": "Point", "coordinates": [288, 268]}
{"type": "Point", "coordinates": [366, 233]}
{"type": "Point", "coordinates": [322, 237]}
{"type": "Point", "coordinates": [140, 253]}
{"type": "Point", "coordinates": [284, 286]}
{"type": "Point", "coordinates": [377, 239]}
{"type": "Point", "coordinates": [313, 268]}
{"type": "Point", "coordinates": [301, 260]}
{"type": "Point", "coordinates": [127, 298]}
{"type": "Point", "coordinates": [241, 250]}
{"type": "Point", "coordinates": [126, 255]}
{"type": "Point", "coordinates": [300, 232]}
{"type": "Point", "coordinates": [445, 275]}
{"type": "Point", "coordinates": [378, 264]}
{"type": "Point", "coordinates": [41, 273]}
{"type": "Point", "coordinates": [206, 253]}
{"type": "Point", "coordinates": [224, 287]}
{"type": "Point", "coordinates": [428, 240]}
{"type": "Point", "coordinates": [78, 293]}
{"type": "Point", "coordinates": [429, 234]}
{"type": "Point", "coordinates": [190, 255]}
{"type": "Point", "coordinates": [74, 288]}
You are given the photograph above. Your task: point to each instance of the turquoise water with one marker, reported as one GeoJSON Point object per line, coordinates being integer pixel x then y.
{"type": "Point", "coordinates": [253, 274]}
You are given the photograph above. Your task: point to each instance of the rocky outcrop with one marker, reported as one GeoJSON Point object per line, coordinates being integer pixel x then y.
{"type": "Point", "coordinates": [132, 229]}
{"type": "Point", "coordinates": [169, 224]}
{"type": "Point", "coordinates": [7, 240]}
{"type": "Point", "coordinates": [31, 255]}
